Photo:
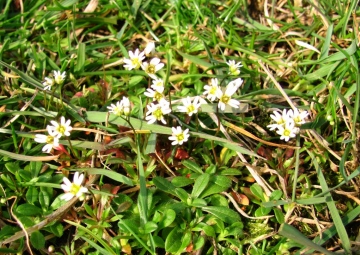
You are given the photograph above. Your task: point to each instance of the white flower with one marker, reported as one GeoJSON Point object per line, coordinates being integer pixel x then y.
{"type": "Point", "coordinates": [157, 111]}
{"type": "Point", "coordinates": [279, 118]}
{"type": "Point", "coordinates": [225, 98]}
{"type": "Point", "coordinates": [59, 77]}
{"type": "Point", "coordinates": [154, 94]}
{"type": "Point", "coordinates": [59, 129]}
{"type": "Point", "coordinates": [135, 60]}
{"type": "Point", "coordinates": [158, 85]}
{"type": "Point", "coordinates": [288, 130]}
{"type": "Point", "coordinates": [298, 117]}
{"type": "Point", "coordinates": [51, 142]}
{"type": "Point", "coordinates": [153, 67]}
{"type": "Point", "coordinates": [234, 68]}
{"type": "Point", "coordinates": [48, 83]}
{"type": "Point", "coordinates": [237, 83]}
{"type": "Point", "coordinates": [126, 105]}
{"type": "Point", "coordinates": [149, 49]}
{"type": "Point", "coordinates": [188, 107]}
{"type": "Point", "coordinates": [212, 89]}
{"type": "Point", "coordinates": [179, 136]}
{"type": "Point", "coordinates": [73, 189]}
{"type": "Point", "coordinates": [121, 107]}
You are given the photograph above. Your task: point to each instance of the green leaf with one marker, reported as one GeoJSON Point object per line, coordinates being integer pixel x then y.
{"type": "Point", "coordinates": [192, 166]}
{"type": "Point", "coordinates": [168, 218]}
{"type": "Point", "coordinates": [149, 227]}
{"type": "Point", "coordinates": [276, 195]}
{"type": "Point", "coordinates": [200, 184]}
{"type": "Point", "coordinates": [225, 214]}
{"type": "Point", "coordinates": [37, 240]}
{"type": "Point", "coordinates": [198, 202]}
{"type": "Point", "coordinates": [173, 240]}
{"type": "Point", "coordinates": [108, 173]}
{"type": "Point", "coordinates": [182, 194]}
{"type": "Point", "coordinates": [57, 229]}
{"type": "Point", "coordinates": [257, 191]}
{"type": "Point", "coordinates": [32, 194]}
{"type": "Point", "coordinates": [164, 185]}
{"type": "Point", "coordinates": [217, 184]}
{"type": "Point", "coordinates": [44, 199]}
{"type": "Point", "coordinates": [181, 181]}
{"type": "Point", "coordinates": [28, 210]}
{"type": "Point", "coordinates": [279, 215]}
{"type": "Point", "coordinates": [79, 67]}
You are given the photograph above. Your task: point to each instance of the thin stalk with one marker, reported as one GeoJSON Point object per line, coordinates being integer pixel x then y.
{"type": "Point", "coordinates": [297, 162]}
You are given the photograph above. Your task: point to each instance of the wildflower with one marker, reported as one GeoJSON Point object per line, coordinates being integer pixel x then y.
{"type": "Point", "coordinates": [59, 77]}
{"type": "Point", "coordinates": [279, 118]}
{"type": "Point", "coordinates": [149, 49]}
{"type": "Point", "coordinates": [59, 129]}
{"type": "Point", "coordinates": [153, 67]}
{"type": "Point", "coordinates": [51, 142]}
{"type": "Point", "coordinates": [157, 111]}
{"type": "Point", "coordinates": [154, 94]}
{"type": "Point", "coordinates": [179, 136]}
{"type": "Point", "coordinates": [288, 130]}
{"type": "Point", "coordinates": [121, 107]}
{"type": "Point", "coordinates": [158, 85]}
{"type": "Point", "coordinates": [126, 105]}
{"type": "Point", "coordinates": [73, 189]}
{"type": "Point", "coordinates": [234, 68]}
{"type": "Point", "coordinates": [225, 98]}
{"type": "Point", "coordinates": [135, 60]}
{"type": "Point", "coordinates": [188, 107]}
{"type": "Point", "coordinates": [298, 117]}
{"type": "Point", "coordinates": [48, 83]}
{"type": "Point", "coordinates": [212, 89]}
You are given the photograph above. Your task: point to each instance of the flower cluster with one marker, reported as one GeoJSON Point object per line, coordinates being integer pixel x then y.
{"type": "Point", "coordinates": [159, 107]}
{"type": "Point", "coordinates": [287, 122]}
{"type": "Point", "coordinates": [58, 78]}
{"type": "Point", "coordinates": [55, 132]}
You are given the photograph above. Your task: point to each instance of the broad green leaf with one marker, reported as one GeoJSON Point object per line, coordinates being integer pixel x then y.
{"type": "Point", "coordinates": [182, 194]}
{"type": "Point", "coordinates": [168, 218]}
{"type": "Point", "coordinates": [32, 194]}
{"type": "Point", "coordinates": [181, 181]}
{"type": "Point", "coordinates": [44, 199]}
{"type": "Point", "coordinates": [200, 184]}
{"type": "Point", "coordinates": [279, 215]}
{"type": "Point", "coordinates": [257, 191]}
{"type": "Point", "coordinates": [192, 166]}
{"type": "Point", "coordinates": [28, 210]}
{"type": "Point", "coordinates": [173, 240]}
{"type": "Point", "coordinates": [217, 184]}
{"type": "Point", "coordinates": [198, 202]}
{"type": "Point", "coordinates": [225, 214]}
{"type": "Point", "coordinates": [185, 241]}
{"type": "Point", "coordinates": [164, 185]}
{"type": "Point", "coordinates": [57, 229]}
{"type": "Point", "coordinates": [37, 240]}
{"type": "Point", "coordinates": [149, 227]}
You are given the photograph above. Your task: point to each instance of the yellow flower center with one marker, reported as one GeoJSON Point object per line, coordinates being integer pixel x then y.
{"type": "Point", "coordinates": [225, 99]}
{"type": "Point", "coordinates": [180, 137]}
{"type": "Point", "coordinates": [61, 129]}
{"type": "Point", "coordinates": [287, 132]}
{"type": "Point", "coordinates": [158, 114]}
{"type": "Point", "coordinates": [136, 63]}
{"type": "Point", "coordinates": [158, 96]}
{"type": "Point", "coordinates": [150, 69]}
{"type": "Point", "coordinates": [74, 189]}
{"type": "Point", "coordinates": [191, 108]}
{"type": "Point", "coordinates": [212, 91]}
{"type": "Point", "coordinates": [49, 139]}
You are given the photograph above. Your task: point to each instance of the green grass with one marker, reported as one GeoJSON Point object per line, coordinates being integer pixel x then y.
{"type": "Point", "coordinates": [234, 187]}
